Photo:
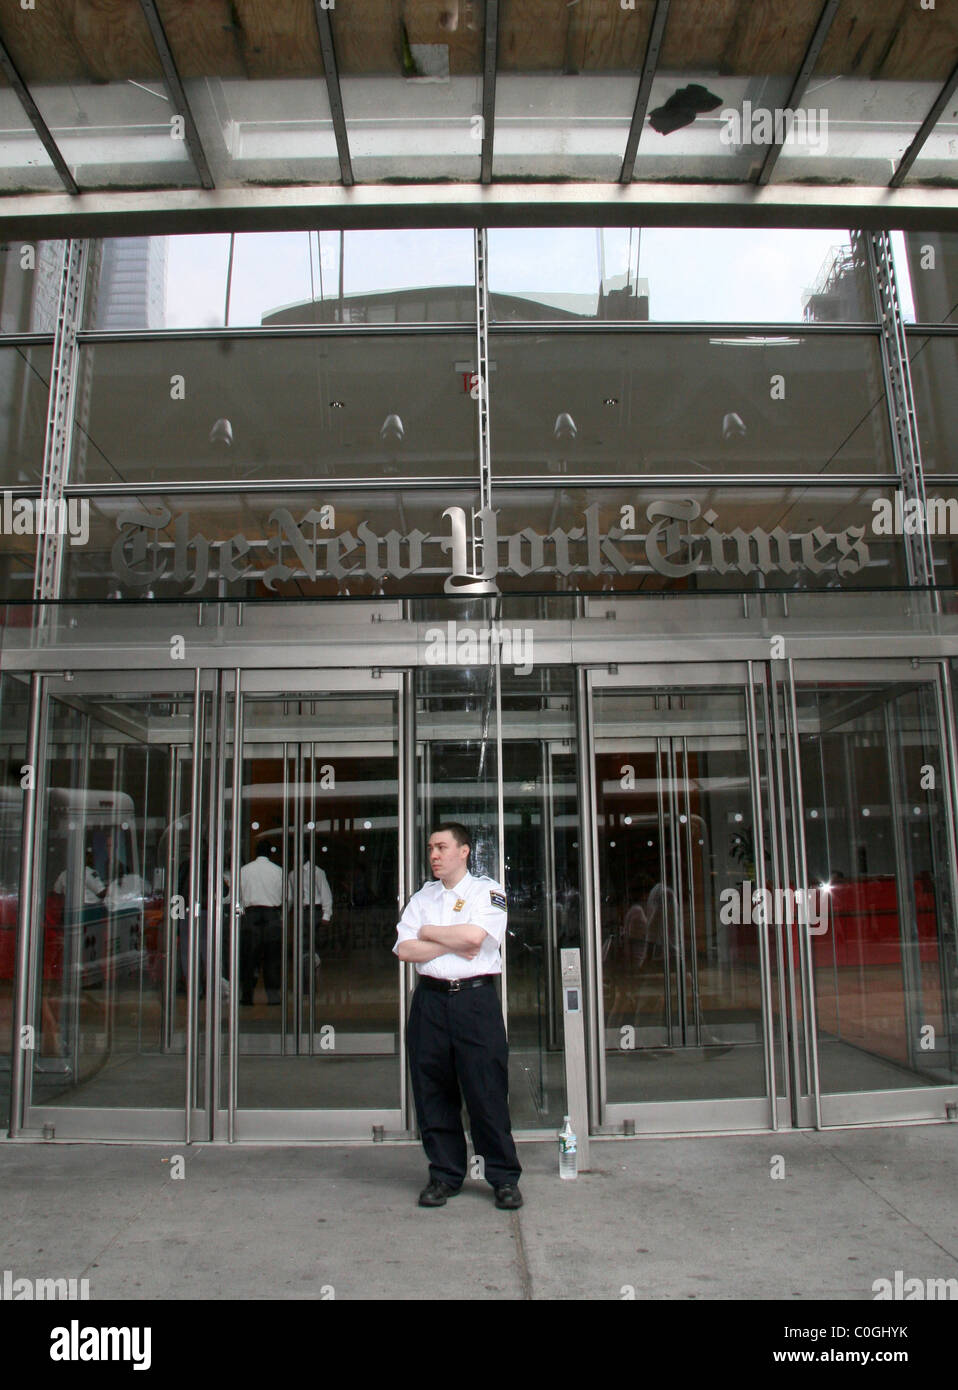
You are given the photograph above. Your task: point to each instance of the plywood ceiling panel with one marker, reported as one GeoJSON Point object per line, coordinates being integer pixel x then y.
{"type": "Point", "coordinates": [204, 38]}
{"type": "Point", "coordinates": [80, 40]}
{"type": "Point", "coordinates": [759, 38]}
{"type": "Point", "coordinates": [893, 40]}
{"type": "Point", "coordinates": [369, 33]}
{"type": "Point", "coordinates": [279, 40]}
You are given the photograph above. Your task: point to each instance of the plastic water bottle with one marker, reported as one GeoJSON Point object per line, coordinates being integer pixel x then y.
{"type": "Point", "coordinates": [568, 1156]}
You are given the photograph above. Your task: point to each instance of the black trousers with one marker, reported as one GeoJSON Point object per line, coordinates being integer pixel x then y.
{"type": "Point", "coordinates": [458, 1050]}
{"type": "Point", "coordinates": [261, 937]}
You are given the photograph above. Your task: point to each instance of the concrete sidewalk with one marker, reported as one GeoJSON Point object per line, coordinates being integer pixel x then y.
{"type": "Point", "coordinates": [670, 1218]}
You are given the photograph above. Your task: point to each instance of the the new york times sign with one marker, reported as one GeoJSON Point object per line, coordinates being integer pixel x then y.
{"type": "Point", "coordinates": [670, 537]}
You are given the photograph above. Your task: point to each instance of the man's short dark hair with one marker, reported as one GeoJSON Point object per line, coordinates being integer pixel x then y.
{"type": "Point", "coordinates": [457, 830]}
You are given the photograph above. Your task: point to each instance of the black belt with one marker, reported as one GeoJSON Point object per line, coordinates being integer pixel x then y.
{"type": "Point", "coordinates": [454, 986]}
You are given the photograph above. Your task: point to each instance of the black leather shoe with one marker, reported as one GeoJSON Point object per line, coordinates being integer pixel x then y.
{"type": "Point", "coordinates": [436, 1194]}
{"type": "Point", "coordinates": [508, 1198]}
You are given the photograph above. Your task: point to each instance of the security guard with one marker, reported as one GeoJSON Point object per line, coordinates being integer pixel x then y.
{"type": "Point", "coordinates": [452, 930]}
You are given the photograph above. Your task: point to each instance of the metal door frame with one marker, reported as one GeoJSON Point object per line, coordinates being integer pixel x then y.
{"type": "Point", "coordinates": [92, 1121]}
{"type": "Point", "coordinates": [905, 1104]}
{"type": "Point", "coordinates": [765, 1112]}
{"type": "Point", "coordinates": [233, 1123]}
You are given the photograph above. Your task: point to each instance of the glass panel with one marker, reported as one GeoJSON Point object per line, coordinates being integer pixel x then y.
{"type": "Point", "coordinates": [411, 85]}
{"type": "Point", "coordinates": [115, 818]}
{"type": "Point", "coordinates": [24, 397]}
{"type": "Point", "coordinates": [257, 90]}
{"type": "Point", "coordinates": [98, 83]}
{"type": "Point", "coordinates": [14, 712]}
{"type": "Point", "coordinates": [566, 88]}
{"type": "Point", "coordinates": [929, 268]}
{"type": "Point", "coordinates": [29, 286]}
{"type": "Point", "coordinates": [259, 409]}
{"type": "Point", "coordinates": [538, 541]}
{"type": "Point", "coordinates": [934, 376]}
{"type": "Point", "coordinates": [619, 540]}
{"type": "Point", "coordinates": [263, 545]}
{"type": "Point", "coordinates": [540, 797]}
{"type": "Point", "coordinates": [878, 75]}
{"type": "Point", "coordinates": [280, 279]}
{"type": "Point", "coordinates": [718, 70]}
{"type": "Point", "coordinates": [319, 987]}
{"type": "Point", "coordinates": [676, 275]}
{"type": "Point", "coordinates": [641, 403]}
{"type": "Point", "coordinates": [25, 166]}
{"type": "Point", "coordinates": [875, 837]}
{"type": "Point", "coordinates": [682, 985]}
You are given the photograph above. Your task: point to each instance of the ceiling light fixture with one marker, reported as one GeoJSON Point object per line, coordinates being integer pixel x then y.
{"type": "Point", "coordinates": [221, 433]}
{"type": "Point", "coordinates": [392, 428]}
{"type": "Point", "coordinates": [564, 427]}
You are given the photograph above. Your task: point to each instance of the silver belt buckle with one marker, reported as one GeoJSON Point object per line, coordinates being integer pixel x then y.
{"type": "Point", "coordinates": [455, 986]}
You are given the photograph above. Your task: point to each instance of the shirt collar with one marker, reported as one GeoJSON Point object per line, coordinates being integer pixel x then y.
{"type": "Point", "coordinates": [458, 888]}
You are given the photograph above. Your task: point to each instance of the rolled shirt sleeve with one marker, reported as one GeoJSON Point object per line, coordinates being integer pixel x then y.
{"type": "Point", "coordinates": [407, 929]}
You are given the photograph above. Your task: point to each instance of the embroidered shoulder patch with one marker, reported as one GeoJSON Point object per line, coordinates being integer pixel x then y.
{"type": "Point", "coordinates": [498, 900]}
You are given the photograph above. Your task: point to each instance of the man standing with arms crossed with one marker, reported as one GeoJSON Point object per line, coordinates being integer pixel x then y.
{"type": "Point", "coordinates": [452, 930]}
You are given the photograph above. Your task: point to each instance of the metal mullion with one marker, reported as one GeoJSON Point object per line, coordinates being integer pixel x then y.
{"type": "Point", "coordinates": [450, 328]}
{"type": "Point", "coordinates": [214, 897]}
{"type": "Point", "coordinates": [949, 743]}
{"type": "Point", "coordinates": [591, 925]}
{"type": "Point", "coordinates": [171, 931]}
{"type": "Point", "coordinates": [279, 485]}
{"type": "Point", "coordinates": [177, 93]}
{"type": "Point", "coordinates": [693, 925]}
{"type": "Point", "coordinates": [810, 1010]}
{"type": "Point", "coordinates": [406, 858]}
{"type": "Point", "coordinates": [699, 480]}
{"type": "Point", "coordinates": [802, 79]}
{"type": "Point", "coordinates": [527, 204]}
{"type": "Point", "coordinates": [551, 922]}
{"type": "Point", "coordinates": [781, 874]}
{"type": "Point", "coordinates": [36, 120]}
{"type": "Point", "coordinates": [193, 944]}
{"type": "Point", "coordinates": [233, 1038]}
{"type": "Point", "coordinates": [758, 821]}
{"type": "Point", "coordinates": [638, 328]}
{"type": "Point", "coordinates": [501, 817]}
{"type": "Point", "coordinates": [215, 926]}
{"type": "Point", "coordinates": [489, 62]}
{"type": "Point", "coordinates": [334, 92]}
{"type": "Point", "coordinates": [924, 130]}
{"type": "Point", "coordinates": [649, 64]}
{"type": "Point", "coordinates": [28, 917]}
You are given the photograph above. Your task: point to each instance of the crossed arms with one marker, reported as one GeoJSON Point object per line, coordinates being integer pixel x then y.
{"type": "Point", "coordinates": [464, 939]}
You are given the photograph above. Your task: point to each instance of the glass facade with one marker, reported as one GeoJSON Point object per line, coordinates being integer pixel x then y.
{"type": "Point", "coordinates": [603, 542]}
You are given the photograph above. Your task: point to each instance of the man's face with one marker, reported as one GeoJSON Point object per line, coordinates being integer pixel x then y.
{"type": "Point", "coordinates": [447, 859]}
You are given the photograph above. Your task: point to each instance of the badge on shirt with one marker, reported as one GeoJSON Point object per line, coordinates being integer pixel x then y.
{"type": "Point", "coordinates": [498, 900]}
{"type": "Point", "coordinates": [459, 904]}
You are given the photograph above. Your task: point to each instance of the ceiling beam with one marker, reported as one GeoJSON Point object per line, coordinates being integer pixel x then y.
{"type": "Point", "coordinates": [177, 93]}
{"type": "Point", "coordinates": [656, 33]}
{"type": "Point", "coordinates": [924, 130]}
{"type": "Point", "coordinates": [171, 211]}
{"type": "Point", "coordinates": [334, 92]}
{"type": "Point", "coordinates": [36, 120]}
{"type": "Point", "coordinates": [489, 64]}
{"type": "Point", "coordinates": [802, 80]}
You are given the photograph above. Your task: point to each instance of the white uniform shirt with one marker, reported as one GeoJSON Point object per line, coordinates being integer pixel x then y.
{"type": "Point", "coordinates": [320, 891]}
{"type": "Point", "coordinates": [93, 884]}
{"type": "Point", "coordinates": [261, 883]}
{"type": "Point", "coordinates": [483, 904]}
